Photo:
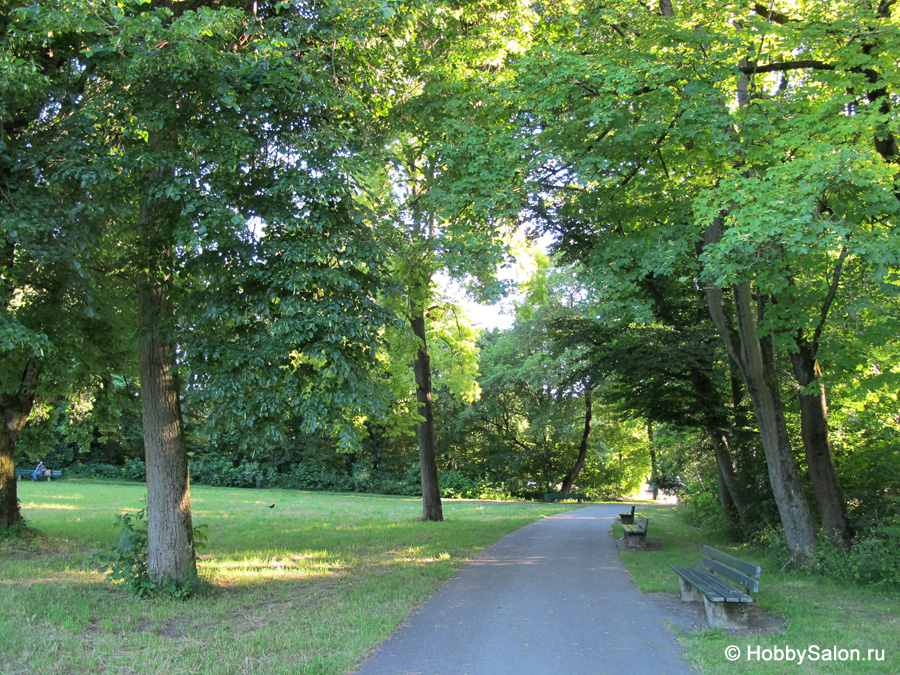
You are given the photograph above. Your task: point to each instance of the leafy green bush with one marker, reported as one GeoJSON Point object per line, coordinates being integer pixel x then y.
{"type": "Point", "coordinates": [221, 472]}
{"type": "Point", "coordinates": [96, 470]}
{"type": "Point", "coordinates": [134, 469]}
{"type": "Point", "coordinates": [127, 561]}
{"type": "Point", "coordinates": [873, 559]}
{"type": "Point", "coordinates": [454, 485]}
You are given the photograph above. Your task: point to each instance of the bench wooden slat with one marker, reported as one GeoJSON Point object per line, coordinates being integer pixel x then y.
{"type": "Point", "coordinates": [736, 576]}
{"type": "Point", "coordinates": [696, 576]}
{"type": "Point", "coordinates": [747, 568]}
{"type": "Point", "coordinates": [710, 585]}
{"type": "Point", "coordinates": [638, 528]}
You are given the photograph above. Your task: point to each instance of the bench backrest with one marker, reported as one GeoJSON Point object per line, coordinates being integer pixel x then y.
{"type": "Point", "coordinates": [734, 569]}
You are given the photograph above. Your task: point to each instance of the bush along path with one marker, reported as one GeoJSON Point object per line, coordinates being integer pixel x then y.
{"type": "Point", "coordinates": [551, 597]}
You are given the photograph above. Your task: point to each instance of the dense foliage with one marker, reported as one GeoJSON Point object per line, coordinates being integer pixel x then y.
{"type": "Point", "coordinates": [233, 221]}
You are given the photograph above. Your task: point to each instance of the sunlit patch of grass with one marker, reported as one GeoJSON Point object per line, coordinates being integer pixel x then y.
{"type": "Point", "coordinates": [55, 507]}
{"type": "Point", "coordinates": [307, 587]}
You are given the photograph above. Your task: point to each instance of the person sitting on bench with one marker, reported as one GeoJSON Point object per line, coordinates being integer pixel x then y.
{"type": "Point", "coordinates": [39, 470]}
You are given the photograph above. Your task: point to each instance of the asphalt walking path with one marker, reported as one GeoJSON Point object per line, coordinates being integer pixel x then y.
{"type": "Point", "coordinates": [551, 598]}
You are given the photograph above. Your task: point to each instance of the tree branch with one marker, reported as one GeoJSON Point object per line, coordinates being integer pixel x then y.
{"type": "Point", "coordinates": [785, 65]}
{"type": "Point", "coordinates": [772, 15]}
{"type": "Point", "coordinates": [832, 291]}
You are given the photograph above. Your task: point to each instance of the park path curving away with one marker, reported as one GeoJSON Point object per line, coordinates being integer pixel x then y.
{"type": "Point", "coordinates": [552, 597]}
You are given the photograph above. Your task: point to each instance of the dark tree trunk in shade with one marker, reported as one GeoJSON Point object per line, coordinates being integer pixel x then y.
{"type": "Point", "coordinates": [733, 492]}
{"type": "Point", "coordinates": [15, 409]}
{"type": "Point", "coordinates": [814, 431]}
{"type": "Point", "coordinates": [431, 490]}
{"type": "Point", "coordinates": [572, 475]}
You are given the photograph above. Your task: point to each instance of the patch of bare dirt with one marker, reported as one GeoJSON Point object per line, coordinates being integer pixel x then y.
{"type": "Point", "coordinates": [690, 617]}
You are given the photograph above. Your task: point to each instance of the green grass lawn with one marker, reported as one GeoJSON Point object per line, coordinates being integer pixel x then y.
{"type": "Point", "coordinates": [817, 612]}
{"type": "Point", "coordinates": [307, 587]}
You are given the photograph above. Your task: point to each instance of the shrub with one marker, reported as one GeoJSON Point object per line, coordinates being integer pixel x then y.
{"type": "Point", "coordinates": [127, 560]}
{"type": "Point", "coordinates": [97, 470]}
{"type": "Point", "coordinates": [221, 472]}
{"type": "Point", "coordinates": [874, 559]}
{"type": "Point", "coordinates": [134, 469]}
{"type": "Point", "coordinates": [454, 485]}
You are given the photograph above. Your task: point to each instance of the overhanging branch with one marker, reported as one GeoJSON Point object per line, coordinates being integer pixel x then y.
{"type": "Point", "coordinates": [784, 66]}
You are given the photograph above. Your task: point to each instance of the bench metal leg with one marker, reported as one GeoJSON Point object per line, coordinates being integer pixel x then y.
{"type": "Point", "coordinates": [726, 614]}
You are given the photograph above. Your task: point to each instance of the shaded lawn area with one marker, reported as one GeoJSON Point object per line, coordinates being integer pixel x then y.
{"type": "Point", "coordinates": [817, 612]}
{"type": "Point", "coordinates": [306, 587]}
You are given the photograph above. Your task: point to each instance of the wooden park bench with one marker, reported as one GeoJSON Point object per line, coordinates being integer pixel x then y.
{"type": "Point", "coordinates": [22, 474]}
{"type": "Point", "coordinates": [636, 533]}
{"type": "Point", "coordinates": [559, 496]}
{"type": "Point", "coordinates": [726, 606]}
{"type": "Point", "coordinates": [627, 518]}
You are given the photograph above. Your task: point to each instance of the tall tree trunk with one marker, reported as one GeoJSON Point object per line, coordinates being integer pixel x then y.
{"type": "Point", "coordinates": [572, 475]}
{"type": "Point", "coordinates": [728, 478]}
{"type": "Point", "coordinates": [734, 494]}
{"type": "Point", "coordinates": [814, 431]}
{"type": "Point", "coordinates": [15, 409]}
{"type": "Point", "coordinates": [726, 503]}
{"type": "Point", "coordinates": [653, 480]}
{"type": "Point", "coordinates": [756, 358]}
{"type": "Point", "coordinates": [170, 532]}
{"type": "Point", "coordinates": [170, 537]}
{"type": "Point", "coordinates": [431, 489]}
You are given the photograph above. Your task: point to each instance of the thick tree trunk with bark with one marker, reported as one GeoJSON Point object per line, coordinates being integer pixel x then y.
{"type": "Point", "coordinates": [431, 489]}
{"type": "Point", "coordinates": [15, 409]}
{"type": "Point", "coordinates": [756, 358]}
{"type": "Point", "coordinates": [170, 531]}
{"type": "Point", "coordinates": [572, 475]}
{"type": "Point", "coordinates": [814, 431]}
{"type": "Point", "coordinates": [170, 536]}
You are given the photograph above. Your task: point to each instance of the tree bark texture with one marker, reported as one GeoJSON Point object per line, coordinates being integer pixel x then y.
{"type": "Point", "coordinates": [757, 361]}
{"type": "Point", "coordinates": [814, 431]}
{"type": "Point", "coordinates": [15, 409]}
{"type": "Point", "coordinates": [572, 475]}
{"type": "Point", "coordinates": [170, 532]}
{"type": "Point", "coordinates": [170, 536]}
{"type": "Point", "coordinates": [431, 489]}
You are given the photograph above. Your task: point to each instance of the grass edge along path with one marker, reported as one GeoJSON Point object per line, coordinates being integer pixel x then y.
{"type": "Point", "coordinates": [307, 587]}
{"type": "Point", "coordinates": [836, 623]}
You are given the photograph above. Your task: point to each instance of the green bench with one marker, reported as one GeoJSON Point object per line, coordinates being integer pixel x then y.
{"type": "Point", "coordinates": [627, 518]}
{"type": "Point", "coordinates": [559, 496]}
{"type": "Point", "coordinates": [636, 533]}
{"type": "Point", "coordinates": [22, 474]}
{"type": "Point", "coordinates": [726, 606]}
